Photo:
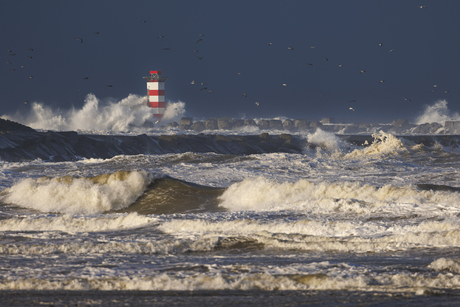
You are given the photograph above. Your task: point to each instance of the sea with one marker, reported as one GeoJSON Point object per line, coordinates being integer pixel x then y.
{"type": "Point", "coordinates": [337, 224]}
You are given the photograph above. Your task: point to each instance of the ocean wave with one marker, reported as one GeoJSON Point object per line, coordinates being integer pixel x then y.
{"type": "Point", "coordinates": [341, 197]}
{"type": "Point", "coordinates": [79, 195]}
{"type": "Point", "coordinates": [384, 144]}
{"type": "Point", "coordinates": [75, 224]}
{"type": "Point", "coordinates": [185, 236]}
{"type": "Point", "coordinates": [318, 236]}
{"type": "Point", "coordinates": [313, 276]}
{"type": "Point", "coordinates": [128, 114]}
{"type": "Point", "coordinates": [329, 145]}
{"type": "Point", "coordinates": [446, 265]}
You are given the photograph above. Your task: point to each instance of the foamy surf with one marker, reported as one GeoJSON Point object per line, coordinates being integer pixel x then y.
{"type": "Point", "coordinates": [128, 114]}
{"type": "Point", "coordinates": [323, 275]}
{"type": "Point", "coordinates": [318, 236]}
{"type": "Point", "coordinates": [341, 197]}
{"type": "Point", "coordinates": [328, 145]}
{"type": "Point", "coordinates": [74, 195]}
{"type": "Point", "coordinates": [75, 224]}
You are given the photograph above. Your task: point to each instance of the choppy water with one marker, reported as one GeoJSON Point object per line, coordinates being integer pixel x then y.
{"type": "Point", "coordinates": [375, 224]}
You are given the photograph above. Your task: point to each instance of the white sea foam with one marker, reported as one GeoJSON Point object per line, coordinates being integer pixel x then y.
{"type": "Point", "coordinates": [74, 195]}
{"type": "Point", "coordinates": [322, 236]}
{"type": "Point", "coordinates": [437, 113]}
{"type": "Point", "coordinates": [384, 144]}
{"type": "Point", "coordinates": [74, 224]}
{"type": "Point", "coordinates": [262, 194]}
{"type": "Point", "coordinates": [145, 246]}
{"type": "Point", "coordinates": [203, 235]}
{"type": "Point", "coordinates": [313, 276]}
{"type": "Point", "coordinates": [174, 112]}
{"type": "Point", "coordinates": [130, 113]}
{"type": "Point", "coordinates": [326, 140]}
{"type": "Point", "coordinates": [446, 265]}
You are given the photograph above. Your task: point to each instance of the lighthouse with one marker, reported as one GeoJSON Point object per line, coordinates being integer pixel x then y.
{"type": "Point", "coordinates": [156, 93]}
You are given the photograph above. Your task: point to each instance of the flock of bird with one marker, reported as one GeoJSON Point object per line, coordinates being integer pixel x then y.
{"type": "Point", "coordinates": [11, 53]}
{"type": "Point", "coordinates": [22, 65]}
{"type": "Point", "coordinates": [310, 64]}
{"type": "Point", "coordinates": [203, 84]}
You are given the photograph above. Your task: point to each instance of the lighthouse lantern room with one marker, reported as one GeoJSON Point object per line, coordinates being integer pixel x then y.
{"type": "Point", "coordinates": [156, 93]}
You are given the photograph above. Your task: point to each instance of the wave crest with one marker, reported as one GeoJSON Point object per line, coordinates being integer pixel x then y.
{"type": "Point", "coordinates": [130, 113]}
{"type": "Point", "coordinates": [72, 195]}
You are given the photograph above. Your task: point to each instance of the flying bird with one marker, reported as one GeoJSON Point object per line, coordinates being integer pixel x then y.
{"type": "Point", "coordinates": [257, 103]}
{"type": "Point", "coordinates": [193, 82]}
{"type": "Point", "coordinates": [8, 62]}
{"type": "Point", "coordinates": [31, 77]}
{"type": "Point", "coordinates": [245, 95]}
{"type": "Point", "coordinates": [422, 7]}
{"type": "Point", "coordinates": [200, 34]}
{"type": "Point", "coordinates": [324, 58]}
{"type": "Point", "coordinates": [269, 44]}
{"type": "Point", "coordinates": [30, 57]}
{"type": "Point", "coordinates": [405, 98]}
{"type": "Point", "coordinates": [109, 85]}
{"type": "Point", "coordinates": [291, 48]}
{"type": "Point", "coordinates": [85, 78]}
{"type": "Point", "coordinates": [310, 64]}
{"type": "Point", "coordinates": [30, 49]}
{"type": "Point", "coordinates": [390, 50]}
{"type": "Point", "coordinates": [312, 47]}
{"type": "Point", "coordinates": [381, 81]}
{"type": "Point", "coordinates": [9, 50]}
{"type": "Point", "coordinates": [80, 39]}
{"type": "Point", "coordinates": [239, 72]}
{"type": "Point", "coordinates": [195, 50]}
{"type": "Point", "coordinates": [96, 32]}
{"type": "Point", "coordinates": [161, 36]}
{"type": "Point", "coordinates": [203, 88]}
{"type": "Point", "coordinates": [362, 71]}
{"type": "Point", "coordinates": [284, 84]}
{"type": "Point", "coordinates": [144, 21]}
{"type": "Point", "coordinates": [380, 45]}
{"type": "Point", "coordinates": [340, 65]}
{"type": "Point", "coordinates": [199, 40]}
{"type": "Point", "coordinates": [351, 109]}
{"type": "Point", "coordinates": [199, 58]}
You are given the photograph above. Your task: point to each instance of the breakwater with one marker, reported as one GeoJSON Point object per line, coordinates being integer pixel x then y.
{"type": "Point", "coordinates": [70, 146]}
{"type": "Point", "coordinates": [22, 143]}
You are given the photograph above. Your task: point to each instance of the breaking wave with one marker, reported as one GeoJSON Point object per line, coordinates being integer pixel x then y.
{"type": "Point", "coordinates": [438, 112]}
{"type": "Point", "coordinates": [128, 114]}
{"type": "Point", "coordinates": [73, 195]}
{"type": "Point", "coordinates": [383, 145]}
{"type": "Point", "coordinates": [342, 197]}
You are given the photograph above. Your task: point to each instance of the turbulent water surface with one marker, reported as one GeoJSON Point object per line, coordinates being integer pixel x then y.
{"type": "Point", "coordinates": [336, 224]}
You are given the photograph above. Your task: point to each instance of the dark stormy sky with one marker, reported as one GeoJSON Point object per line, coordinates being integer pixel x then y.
{"type": "Point", "coordinates": [420, 49]}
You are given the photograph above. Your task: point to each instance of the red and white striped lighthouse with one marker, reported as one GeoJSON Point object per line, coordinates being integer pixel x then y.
{"type": "Point", "coordinates": [156, 93]}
